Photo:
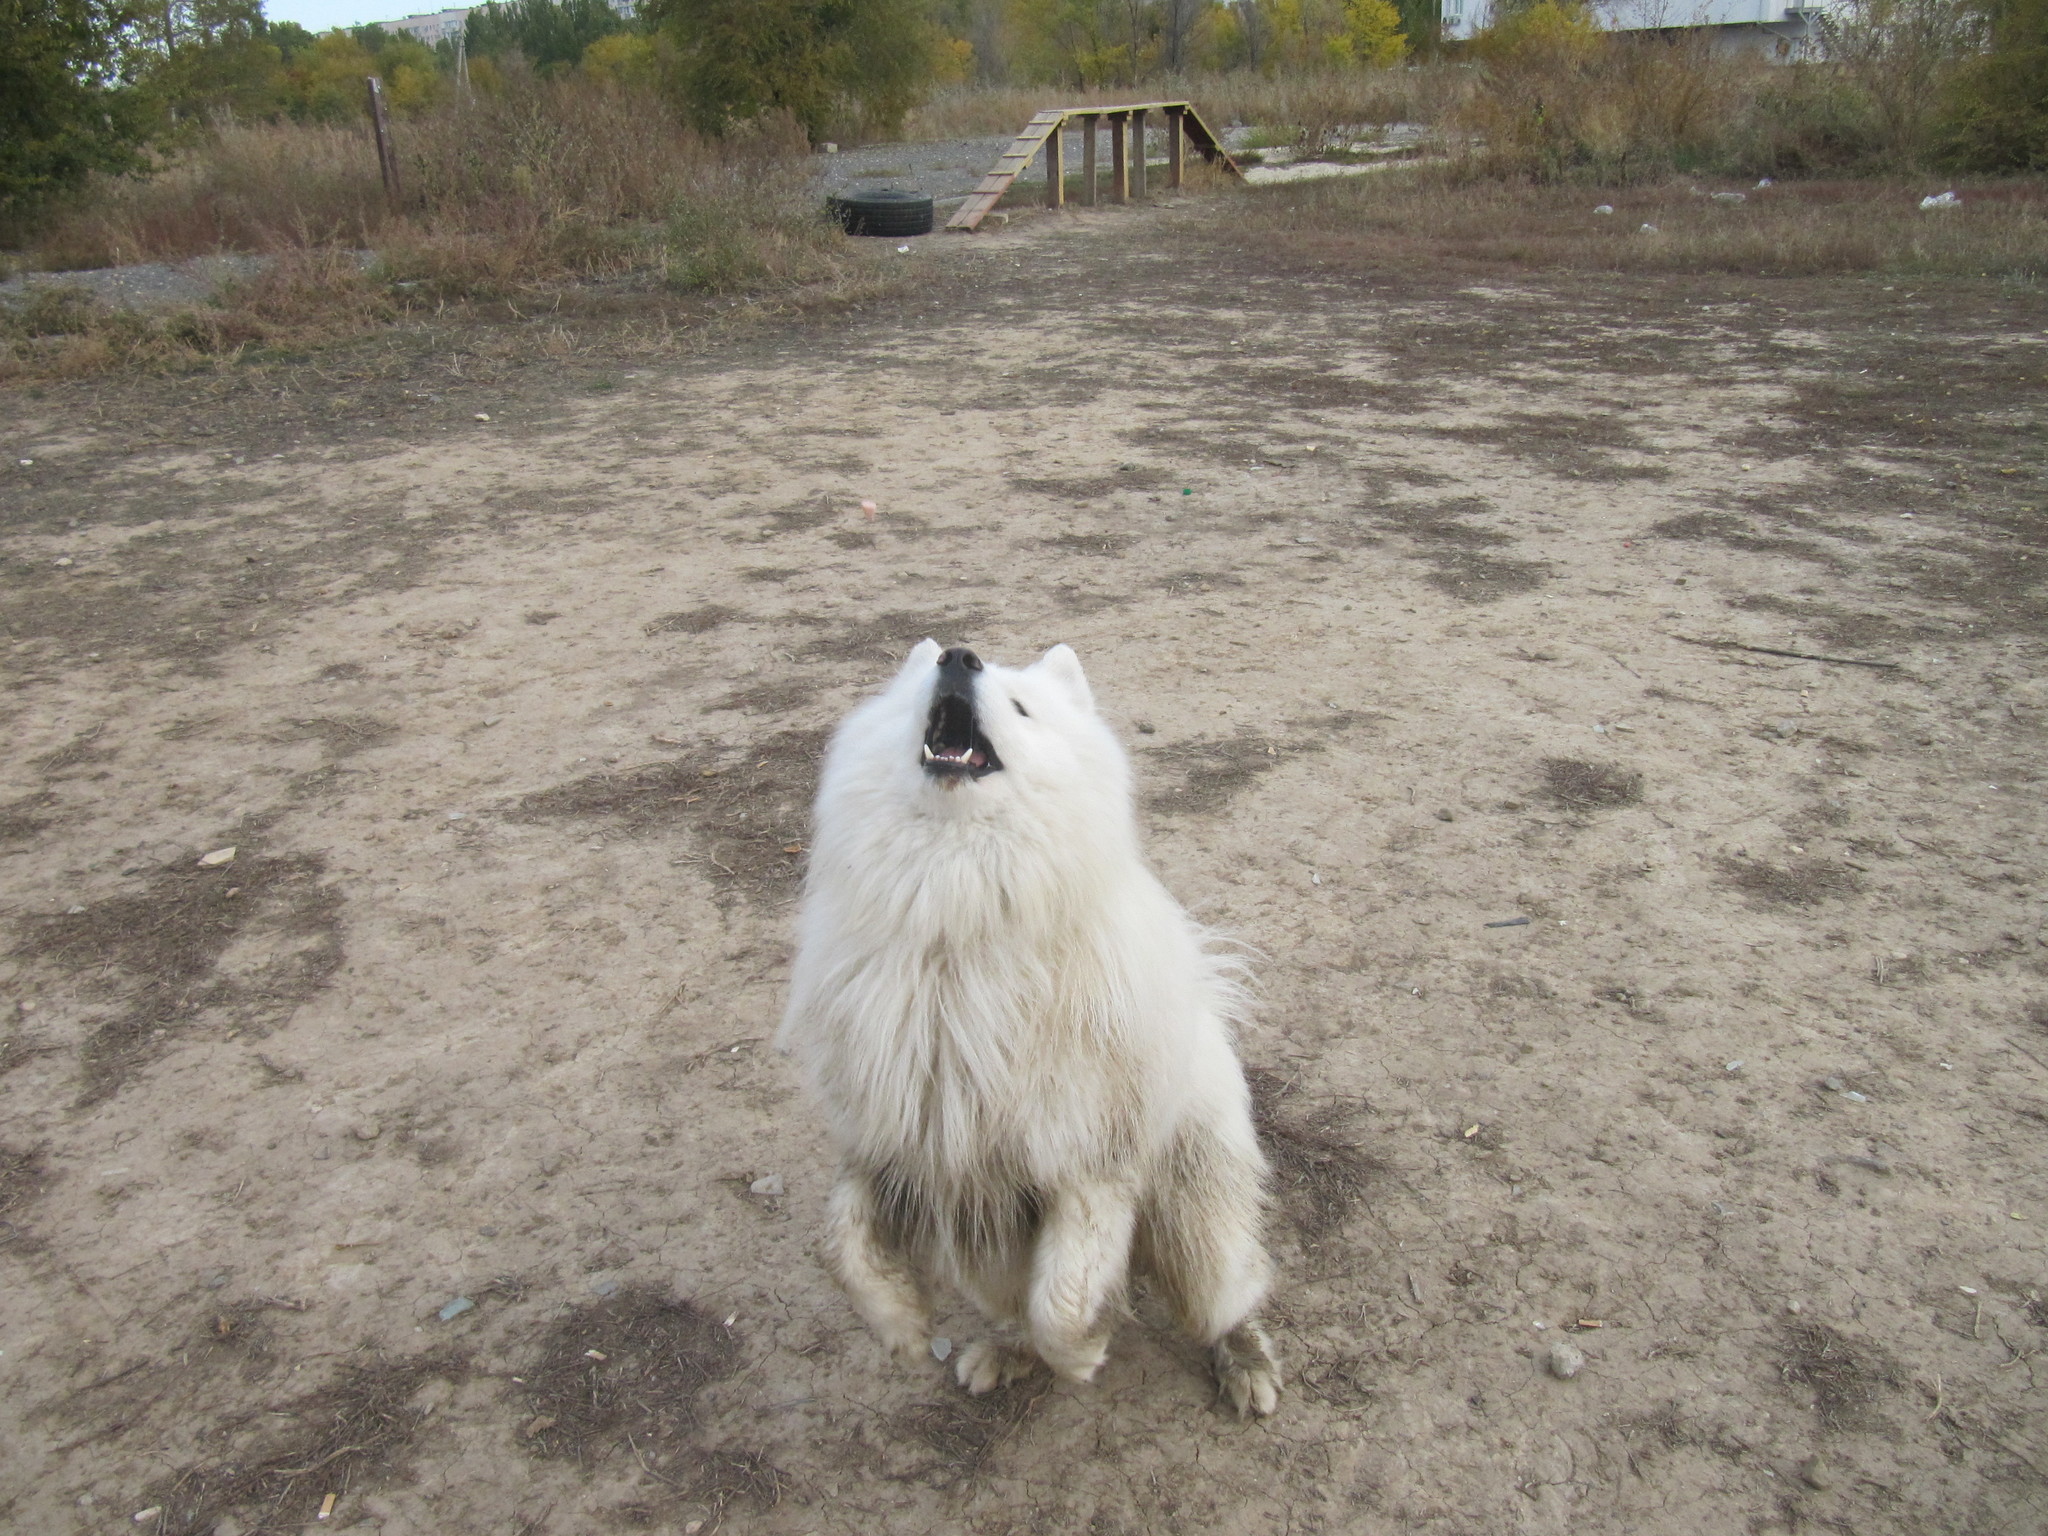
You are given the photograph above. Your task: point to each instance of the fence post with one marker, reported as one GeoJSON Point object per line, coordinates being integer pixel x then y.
{"type": "Point", "coordinates": [387, 157]}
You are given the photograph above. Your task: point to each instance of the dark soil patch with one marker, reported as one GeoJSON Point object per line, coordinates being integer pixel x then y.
{"type": "Point", "coordinates": [964, 1432]}
{"type": "Point", "coordinates": [76, 752]}
{"type": "Point", "coordinates": [749, 812]}
{"type": "Point", "coordinates": [356, 1432]}
{"type": "Point", "coordinates": [770, 573]}
{"type": "Point", "coordinates": [24, 1175]}
{"type": "Point", "coordinates": [1311, 389]}
{"type": "Point", "coordinates": [692, 621]}
{"type": "Point", "coordinates": [1843, 1377]}
{"type": "Point", "coordinates": [1796, 883]}
{"type": "Point", "coordinates": [1736, 533]}
{"type": "Point", "coordinates": [1831, 624]}
{"type": "Point", "coordinates": [1320, 1174]}
{"type": "Point", "coordinates": [1562, 443]}
{"type": "Point", "coordinates": [623, 1376]}
{"type": "Point", "coordinates": [809, 514]}
{"type": "Point", "coordinates": [1102, 544]}
{"type": "Point", "coordinates": [776, 698]}
{"type": "Point", "coordinates": [1457, 549]}
{"type": "Point", "coordinates": [1579, 786]}
{"type": "Point", "coordinates": [893, 634]}
{"type": "Point", "coordinates": [1086, 488]}
{"type": "Point", "coordinates": [158, 951]}
{"type": "Point", "coordinates": [1214, 773]}
{"type": "Point", "coordinates": [1197, 583]}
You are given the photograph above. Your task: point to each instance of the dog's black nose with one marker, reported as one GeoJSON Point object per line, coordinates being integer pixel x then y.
{"type": "Point", "coordinates": [959, 658]}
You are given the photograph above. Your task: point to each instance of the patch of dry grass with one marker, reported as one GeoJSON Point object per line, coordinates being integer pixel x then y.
{"type": "Point", "coordinates": [1430, 217]}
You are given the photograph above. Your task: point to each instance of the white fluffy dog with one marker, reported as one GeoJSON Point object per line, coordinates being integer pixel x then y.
{"type": "Point", "coordinates": [1022, 1044]}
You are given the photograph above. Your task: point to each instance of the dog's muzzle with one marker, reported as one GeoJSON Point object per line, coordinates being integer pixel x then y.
{"type": "Point", "coordinates": [954, 747]}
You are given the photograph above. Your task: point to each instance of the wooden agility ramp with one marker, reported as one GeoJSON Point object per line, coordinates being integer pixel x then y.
{"type": "Point", "coordinates": [1184, 126]}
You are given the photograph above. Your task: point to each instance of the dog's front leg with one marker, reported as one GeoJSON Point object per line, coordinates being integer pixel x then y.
{"type": "Point", "coordinates": [873, 1269]}
{"type": "Point", "coordinates": [1077, 1275]}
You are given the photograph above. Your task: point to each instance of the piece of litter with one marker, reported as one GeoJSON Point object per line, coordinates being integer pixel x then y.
{"type": "Point", "coordinates": [1185, 491]}
{"type": "Point", "coordinates": [326, 1506]}
{"type": "Point", "coordinates": [867, 509]}
{"type": "Point", "coordinates": [941, 1347]}
{"type": "Point", "coordinates": [1605, 208]}
{"type": "Point", "coordinates": [1940, 200]}
{"type": "Point", "coordinates": [26, 463]}
{"type": "Point", "coordinates": [1967, 1290]}
{"type": "Point", "coordinates": [144, 1516]}
{"type": "Point", "coordinates": [483, 415]}
{"type": "Point", "coordinates": [1647, 229]}
{"type": "Point", "coordinates": [902, 250]}
{"type": "Point", "coordinates": [1766, 182]}
{"type": "Point", "coordinates": [1565, 1359]}
{"type": "Point", "coordinates": [64, 560]}
{"type": "Point", "coordinates": [771, 1185]}
{"type": "Point", "coordinates": [1471, 1131]}
{"type": "Point", "coordinates": [1315, 879]}
{"type": "Point", "coordinates": [2015, 1215]}
{"type": "Point", "coordinates": [731, 1318]}
{"type": "Point", "coordinates": [1733, 1066]}
{"type": "Point", "coordinates": [1730, 197]}
{"type": "Point", "coordinates": [1946, 1067]}
{"type": "Point", "coordinates": [455, 1309]}
{"type": "Point", "coordinates": [1854, 1097]}
{"type": "Point", "coordinates": [596, 1354]}
{"type": "Point", "coordinates": [1592, 1322]}
{"type": "Point", "coordinates": [1510, 922]}
{"type": "Point", "coordinates": [218, 857]}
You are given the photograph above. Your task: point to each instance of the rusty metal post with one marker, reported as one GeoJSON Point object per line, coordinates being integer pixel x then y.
{"type": "Point", "coordinates": [387, 155]}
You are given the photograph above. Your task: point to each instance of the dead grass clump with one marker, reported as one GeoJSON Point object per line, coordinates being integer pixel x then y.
{"type": "Point", "coordinates": [692, 621]}
{"type": "Point", "coordinates": [24, 1175]}
{"type": "Point", "coordinates": [1842, 1376]}
{"type": "Point", "coordinates": [354, 1432]}
{"type": "Point", "coordinates": [1320, 1175]}
{"type": "Point", "coordinates": [1797, 883]}
{"type": "Point", "coordinates": [965, 1432]}
{"type": "Point", "coordinates": [160, 950]}
{"type": "Point", "coordinates": [893, 634]}
{"type": "Point", "coordinates": [624, 1375]}
{"type": "Point", "coordinates": [1579, 786]}
{"type": "Point", "coordinates": [1215, 772]}
{"type": "Point", "coordinates": [21, 819]}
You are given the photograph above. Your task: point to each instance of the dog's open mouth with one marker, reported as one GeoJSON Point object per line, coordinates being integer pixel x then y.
{"type": "Point", "coordinates": [953, 745]}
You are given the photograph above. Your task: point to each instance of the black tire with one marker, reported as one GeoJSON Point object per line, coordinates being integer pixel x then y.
{"type": "Point", "coordinates": [885, 212]}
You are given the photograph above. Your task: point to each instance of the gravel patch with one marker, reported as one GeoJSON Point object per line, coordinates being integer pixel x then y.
{"type": "Point", "coordinates": [146, 285]}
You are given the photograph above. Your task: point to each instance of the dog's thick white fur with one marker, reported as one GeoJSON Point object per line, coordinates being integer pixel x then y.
{"type": "Point", "coordinates": [1021, 1042]}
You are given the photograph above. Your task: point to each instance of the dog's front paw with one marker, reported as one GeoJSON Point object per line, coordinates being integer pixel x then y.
{"type": "Point", "coordinates": [987, 1364]}
{"type": "Point", "coordinates": [1247, 1374]}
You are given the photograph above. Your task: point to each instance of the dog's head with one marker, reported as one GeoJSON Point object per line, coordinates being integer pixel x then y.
{"type": "Point", "coordinates": [957, 735]}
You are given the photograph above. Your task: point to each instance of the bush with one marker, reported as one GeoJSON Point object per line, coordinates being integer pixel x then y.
{"type": "Point", "coordinates": [68, 103]}
{"type": "Point", "coordinates": [1995, 117]}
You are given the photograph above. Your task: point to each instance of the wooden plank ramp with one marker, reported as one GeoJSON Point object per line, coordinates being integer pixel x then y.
{"type": "Point", "coordinates": [1181, 118]}
{"type": "Point", "coordinates": [1022, 151]}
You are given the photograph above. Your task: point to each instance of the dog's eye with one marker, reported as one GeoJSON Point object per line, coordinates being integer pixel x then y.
{"type": "Point", "coordinates": [1020, 709]}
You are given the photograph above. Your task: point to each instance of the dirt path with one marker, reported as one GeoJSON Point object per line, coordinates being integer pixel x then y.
{"type": "Point", "coordinates": [1683, 1002]}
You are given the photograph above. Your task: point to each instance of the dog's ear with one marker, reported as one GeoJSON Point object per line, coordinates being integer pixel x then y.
{"type": "Point", "coordinates": [1064, 667]}
{"type": "Point", "coordinates": [923, 655]}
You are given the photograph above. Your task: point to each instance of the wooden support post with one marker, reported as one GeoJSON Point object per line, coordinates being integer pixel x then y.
{"type": "Point", "coordinates": [1119, 158]}
{"type": "Point", "coordinates": [1056, 167]}
{"type": "Point", "coordinates": [1138, 153]}
{"type": "Point", "coordinates": [1174, 157]}
{"type": "Point", "coordinates": [387, 156]}
{"type": "Point", "coordinates": [1091, 125]}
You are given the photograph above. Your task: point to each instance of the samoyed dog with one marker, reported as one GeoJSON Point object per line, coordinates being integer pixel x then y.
{"type": "Point", "coordinates": [1021, 1043]}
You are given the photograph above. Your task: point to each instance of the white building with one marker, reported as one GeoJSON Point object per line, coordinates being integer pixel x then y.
{"type": "Point", "coordinates": [432, 27]}
{"type": "Point", "coordinates": [1782, 29]}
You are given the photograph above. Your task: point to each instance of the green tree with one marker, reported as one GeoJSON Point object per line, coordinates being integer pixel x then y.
{"type": "Point", "coordinates": [861, 63]}
{"type": "Point", "coordinates": [69, 102]}
{"type": "Point", "coordinates": [1996, 115]}
{"type": "Point", "coordinates": [552, 34]}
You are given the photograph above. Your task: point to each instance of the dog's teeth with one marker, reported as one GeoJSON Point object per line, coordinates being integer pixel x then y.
{"type": "Point", "coordinates": [928, 757]}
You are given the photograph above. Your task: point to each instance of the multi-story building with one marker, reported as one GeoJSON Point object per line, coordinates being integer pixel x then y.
{"type": "Point", "coordinates": [1782, 29]}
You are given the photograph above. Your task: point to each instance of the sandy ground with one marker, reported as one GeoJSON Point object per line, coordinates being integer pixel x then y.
{"type": "Point", "coordinates": [1684, 1003]}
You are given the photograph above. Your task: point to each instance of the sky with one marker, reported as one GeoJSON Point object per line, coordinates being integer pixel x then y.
{"type": "Point", "coordinates": [319, 15]}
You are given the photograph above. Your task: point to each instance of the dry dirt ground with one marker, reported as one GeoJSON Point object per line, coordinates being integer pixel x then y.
{"type": "Point", "coordinates": [1620, 984]}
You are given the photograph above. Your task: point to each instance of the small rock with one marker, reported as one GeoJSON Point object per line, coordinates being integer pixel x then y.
{"type": "Point", "coordinates": [1647, 229]}
{"type": "Point", "coordinates": [941, 1348]}
{"type": "Point", "coordinates": [217, 858]}
{"type": "Point", "coordinates": [1564, 1358]}
{"type": "Point", "coordinates": [144, 1516]}
{"type": "Point", "coordinates": [487, 1231]}
{"type": "Point", "coordinates": [455, 1309]}
{"type": "Point", "coordinates": [771, 1185]}
{"type": "Point", "coordinates": [483, 415]}
{"type": "Point", "coordinates": [1813, 1474]}
{"type": "Point", "coordinates": [65, 560]}
{"type": "Point", "coordinates": [1832, 1084]}
{"type": "Point", "coordinates": [1605, 208]}
{"type": "Point", "coordinates": [1445, 816]}
{"type": "Point", "coordinates": [605, 1287]}
{"type": "Point", "coordinates": [369, 1130]}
